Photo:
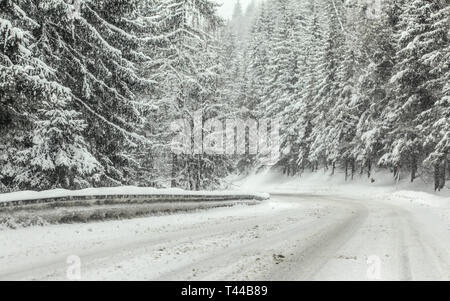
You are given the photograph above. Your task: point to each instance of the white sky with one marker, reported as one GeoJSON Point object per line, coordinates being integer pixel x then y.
{"type": "Point", "coordinates": [226, 11]}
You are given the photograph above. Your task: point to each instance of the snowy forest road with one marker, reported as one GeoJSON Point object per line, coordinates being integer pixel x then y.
{"type": "Point", "coordinates": [291, 237]}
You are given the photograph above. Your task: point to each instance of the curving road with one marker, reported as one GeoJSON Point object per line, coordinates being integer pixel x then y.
{"type": "Point", "coordinates": [291, 237]}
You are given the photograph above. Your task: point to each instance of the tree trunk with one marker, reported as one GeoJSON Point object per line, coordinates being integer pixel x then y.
{"type": "Point", "coordinates": [334, 169]}
{"type": "Point", "coordinates": [198, 183]}
{"type": "Point", "coordinates": [190, 172]}
{"type": "Point", "coordinates": [173, 183]}
{"type": "Point", "coordinates": [397, 173]}
{"type": "Point", "coordinates": [442, 175]}
{"type": "Point", "coordinates": [448, 166]}
{"type": "Point", "coordinates": [413, 169]}
{"type": "Point", "coordinates": [346, 170]}
{"type": "Point", "coordinates": [369, 168]}
{"type": "Point", "coordinates": [353, 168]}
{"type": "Point", "coordinates": [436, 177]}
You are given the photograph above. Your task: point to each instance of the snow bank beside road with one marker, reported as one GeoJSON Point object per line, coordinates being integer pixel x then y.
{"type": "Point", "coordinates": [119, 191]}
{"type": "Point", "coordinates": [419, 198]}
{"type": "Point", "coordinates": [29, 208]}
{"type": "Point", "coordinates": [383, 188]}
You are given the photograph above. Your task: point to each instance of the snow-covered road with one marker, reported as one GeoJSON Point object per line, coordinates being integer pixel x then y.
{"type": "Point", "coordinates": [291, 237]}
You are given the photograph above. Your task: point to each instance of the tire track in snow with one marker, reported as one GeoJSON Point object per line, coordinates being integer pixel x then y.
{"type": "Point", "coordinates": [403, 250]}
{"type": "Point", "coordinates": [56, 266]}
{"type": "Point", "coordinates": [216, 261]}
{"type": "Point", "coordinates": [323, 235]}
{"type": "Point", "coordinates": [427, 261]}
{"type": "Point", "coordinates": [310, 258]}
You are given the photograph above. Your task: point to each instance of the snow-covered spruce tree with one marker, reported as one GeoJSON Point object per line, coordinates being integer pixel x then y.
{"type": "Point", "coordinates": [242, 22]}
{"type": "Point", "coordinates": [23, 85]}
{"type": "Point", "coordinates": [238, 20]}
{"type": "Point", "coordinates": [250, 59]}
{"type": "Point", "coordinates": [362, 75]}
{"type": "Point", "coordinates": [29, 94]}
{"type": "Point", "coordinates": [377, 49]}
{"type": "Point", "coordinates": [250, 15]}
{"type": "Point", "coordinates": [434, 123]}
{"type": "Point", "coordinates": [185, 67]}
{"type": "Point", "coordinates": [344, 109]}
{"type": "Point", "coordinates": [93, 53]}
{"type": "Point", "coordinates": [258, 56]}
{"type": "Point", "coordinates": [363, 71]}
{"type": "Point", "coordinates": [105, 48]}
{"type": "Point", "coordinates": [442, 126]}
{"type": "Point", "coordinates": [96, 60]}
{"type": "Point", "coordinates": [240, 41]}
{"type": "Point", "coordinates": [328, 86]}
{"type": "Point", "coordinates": [233, 69]}
{"type": "Point", "coordinates": [291, 48]}
{"type": "Point", "coordinates": [411, 94]}
{"type": "Point", "coordinates": [282, 64]}
{"type": "Point", "coordinates": [59, 156]}
{"type": "Point", "coordinates": [149, 163]}
{"type": "Point", "coordinates": [234, 45]}
{"type": "Point", "coordinates": [306, 90]}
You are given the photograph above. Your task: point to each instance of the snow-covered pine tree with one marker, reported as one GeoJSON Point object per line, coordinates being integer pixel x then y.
{"type": "Point", "coordinates": [411, 94]}
{"type": "Point", "coordinates": [308, 61]}
{"type": "Point", "coordinates": [93, 53]}
{"type": "Point", "coordinates": [360, 87]}
{"type": "Point", "coordinates": [233, 67]}
{"type": "Point", "coordinates": [251, 59]}
{"type": "Point", "coordinates": [60, 156]}
{"type": "Point", "coordinates": [185, 67]}
{"type": "Point", "coordinates": [33, 104]}
{"type": "Point", "coordinates": [250, 16]}
{"type": "Point", "coordinates": [288, 70]}
{"type": "Point", "coordinates": [434, 123]}
{"type": "Point", "coordinates": [242, 21]}
{"type": "Point", "coordinates": [258, 55]}
{"type": "Point", "coordinates": [376, 44]}
{"type": "Point", "coordinates": [238, 20]}
{"type": "Point", "coordinates": [103, 56]}
{"type": "Point", "coordinates": [328, 85]}
{"type": "Point", "coordinates": [23, 84]}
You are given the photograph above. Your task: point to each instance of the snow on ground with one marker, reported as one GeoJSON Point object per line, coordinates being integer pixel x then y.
{"type": "Point", "coordinates": [385, 190]}
{"type": "Point", "coordinates": [30, 208]}
{"type": "Point", "coordinates": [313, 228]}
{"type": "Point", "coordinates": [384, 187]}
{"type": "Point", "coordinates": [138, 244]}
{"type": "Point", "coordinates": [123, 190]}
{"type": "Point", "coordinates": [407, 224]}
